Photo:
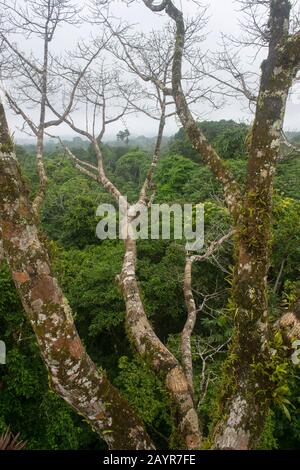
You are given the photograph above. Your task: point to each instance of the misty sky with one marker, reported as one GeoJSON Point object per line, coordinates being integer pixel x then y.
{"type": "Point", "coordinates": [224, 16]}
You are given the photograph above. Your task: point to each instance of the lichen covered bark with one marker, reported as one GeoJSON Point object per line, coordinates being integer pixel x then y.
{"type": "Point", "coordinates": [43, 180]}
{"type": "Point", "coordinates": [245, 394]}
{"type": "Point", "coordinates": [245, 399]}
{"type": "Point", "coordinates": [208, 154]}
{"type": "Point", "coordinates": [289, 324]}
{"type": "Point", "coordinates": [156, 354]}
{"type": "Point", "coordinates": [186, 348]}
{"type": "Point", "coordinates": [72, 373]}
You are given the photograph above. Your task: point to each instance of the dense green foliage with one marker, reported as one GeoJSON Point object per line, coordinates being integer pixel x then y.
{"type": "Point", "coordinates": [227, 137]}
{"type": "Point", "coordinates": [87, 267]}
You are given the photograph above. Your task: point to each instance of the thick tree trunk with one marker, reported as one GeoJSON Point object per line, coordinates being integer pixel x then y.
{"type": "Point", "coordinates": [73, 374]}
{"type": "Point", "coordinates": [139, 329]}
{"type": "Point", "coordinates": [244, 410]}
{"type": "Point", "coordinates": [157, 355]}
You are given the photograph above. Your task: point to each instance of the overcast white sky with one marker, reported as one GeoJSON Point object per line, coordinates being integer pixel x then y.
{"type": "Point", "coordinates": [224, 16]}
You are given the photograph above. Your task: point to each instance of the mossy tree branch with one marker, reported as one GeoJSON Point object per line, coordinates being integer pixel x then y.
{"type": "Point", "coordinates": [242, 412]}
{"type": "Point", "coordinates": [72, 373]}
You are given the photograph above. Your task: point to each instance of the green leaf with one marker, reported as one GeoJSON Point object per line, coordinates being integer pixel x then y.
{"type": "Point", "coordinates": [286, 412]}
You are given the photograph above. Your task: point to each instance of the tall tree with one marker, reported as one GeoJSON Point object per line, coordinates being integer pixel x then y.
{"type": "Point", "coordinates": [141, 333]}
{"type": "Point", "coordinates": [248, 369]}
{"type": "Point", "coordinates": [32, 77]}
{"type": "Point", "coordinates": [123, 136]}
{"type": "Point", "coordinates": [73, 374]}
{"type": "Point", "coordinates": [242, 410]}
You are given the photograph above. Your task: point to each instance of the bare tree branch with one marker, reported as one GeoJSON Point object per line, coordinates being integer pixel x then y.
{"type": "Point", "coordinates": [73, 374]}
{"type": "Point", "coordinates": [18, 111]}
{"type": "Point", "coordinates": [141, 333]}
{"type": "Point", "coordinates": [293, 150]}
{"type": "Point", "coordinates": [143, 198]}
{"type": "Point", "coordinates": [208, 154]}
{"type": "Point", "coordinates": [38, 18]}
{"type": "Point", "coordinates": [79, 164]}
{"type": "Point", "coordinates": [192, 310]}
{"type": "Point", "coordinates": [251, 212]}
{"type": "Point", "coordinates": [279, 276]}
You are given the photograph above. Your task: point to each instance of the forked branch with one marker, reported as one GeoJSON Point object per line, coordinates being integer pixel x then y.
{"type": "Point", "coordinates": [192, 311]}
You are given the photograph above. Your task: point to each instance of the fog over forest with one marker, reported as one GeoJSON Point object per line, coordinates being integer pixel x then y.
{"type": "Point", "coordinates": [149, 230]}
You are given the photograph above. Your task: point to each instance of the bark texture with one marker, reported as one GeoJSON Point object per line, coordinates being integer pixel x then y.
{"type": "Point", "coordinates": [72, 373]}
{"type": "Point", "coordinates": [289, 324]}
{"type": "Point", "coordinates": [245, 408]}
{"type": "Point", "coordinates": [242, 411]}
{"type": "Point", "coordinates": [139, 329]}
{"type": "Point", "coordinates": [186, 349]}
{"type": "Point", "coordinates": [186, 335]}
{"type": "Point", "coordinates": [157, 355]}
{"type": "Point", "coordinates": [39, 198]}
{"type": "Point", "coordinates": [208, 154]}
